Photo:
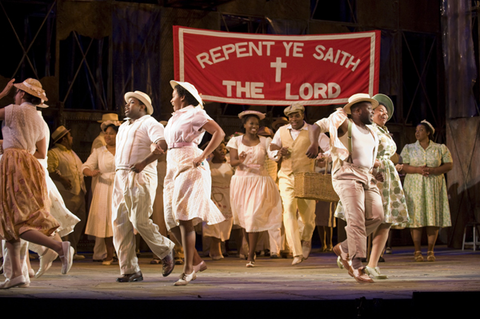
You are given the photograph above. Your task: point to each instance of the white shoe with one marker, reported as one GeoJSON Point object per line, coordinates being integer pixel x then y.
{"type": "Point", "coordinates": [46, 261]}
{"type": "Point", "coordinates": [185, 279]}
{"type": "Point", "coordinates": [375, 273]}
{"type": "Point", "coordinates": [297, 260]}
{"type": "Point", "coordinates": [15, 282]}
{"type": "Point", "coordinates": [67, 258]}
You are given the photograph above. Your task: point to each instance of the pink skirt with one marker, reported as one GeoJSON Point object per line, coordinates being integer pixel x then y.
{"type": "Point", "coordinates": [23, 196]}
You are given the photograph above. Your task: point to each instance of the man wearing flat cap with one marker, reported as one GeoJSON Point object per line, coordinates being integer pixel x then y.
{"type": "Point", "coordinates": [65, 169]}
{"type": "Point", "coordinates": [135, 187]}
{"type": "Point", "coordinates": [353, 149]}
{"type": "Point", "coordinates": [291, 143]}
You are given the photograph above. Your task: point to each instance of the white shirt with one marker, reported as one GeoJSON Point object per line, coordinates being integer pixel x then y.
{"type": "Point", "coordinates": [185, 126]}
{"type": "Point", "coordinates": [134, 140]}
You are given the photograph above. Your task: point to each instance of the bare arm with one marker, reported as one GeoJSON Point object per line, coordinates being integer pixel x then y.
{"type": "Point", "coordinates": [7, 89]}
{"type": "Point", "coordinates": [217, 137]}
{"type": "Point", "coordinates": [41, 151]}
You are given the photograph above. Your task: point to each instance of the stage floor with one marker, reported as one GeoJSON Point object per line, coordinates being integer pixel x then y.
{"type": "Point", "coordinates": [274, 281]}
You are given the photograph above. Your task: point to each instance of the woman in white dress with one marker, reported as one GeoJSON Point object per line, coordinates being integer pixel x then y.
{"type": "Point", "coordinates": [222, 173]}
{"type": "Point", "coordinates": [254, 197]}
{"type": "Point", "coordinates": [101, 164]}
{"type": "Point", "coordinates": [188, 183]}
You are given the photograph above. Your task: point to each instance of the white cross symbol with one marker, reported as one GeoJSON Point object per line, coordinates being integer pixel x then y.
{"type": "Point", "coordinates": [278, 69]}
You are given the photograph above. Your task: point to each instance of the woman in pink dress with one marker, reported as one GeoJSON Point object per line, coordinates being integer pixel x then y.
{"type": "Point", "coordinates": [188, 182]}
{"type": "Point", "coordinates": [254, 197]}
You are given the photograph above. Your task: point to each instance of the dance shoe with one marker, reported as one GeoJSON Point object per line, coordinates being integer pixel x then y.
{"type": "Point", "coordinates": [136, 276]}
{"type": "Point", "coordinates": [250, 264]}
{"type": "Point", "coordinates": [108, 262]}
{"type": "Point", "coordinates": [306, 248]}
{"type": "Point", "coordinates": [418, 256]}
{"type": "Point", "coordinates": [46, 261]}
{"type": "Point", "coordinates": [67, 258]}
{"type": "Point", "coordinates": [216, 258]}
{"type": "Point", "coordinates": [200, 267]}
{"type": "Point", "coordinates": [185, 279]}
{"type": "Point", "coordinates": [343, 259]}
{"type": "Point", "coordinates": [274, 255]}
{"type": "Point", "coordinates": [15, 282]}
{"type": "Point", "coordinates": [375, 273]}
{"type": "Point", "coordinates": [168, 264]}
{"type": "Point", "coordinates": [361, 276]}
{"type": "Point", "coordinates": [297, 260]}
{"type": "Point", "coordinates": [430, 256]}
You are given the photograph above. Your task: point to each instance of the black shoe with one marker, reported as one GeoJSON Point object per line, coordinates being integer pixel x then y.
{"type": "Point", "coordinates": [168, 264]}
{"type": "Point", "coordinates": [131, 277]}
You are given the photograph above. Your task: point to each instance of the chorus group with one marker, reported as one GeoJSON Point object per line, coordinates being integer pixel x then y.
{"type": "Point", "coordinates": [154, 180]}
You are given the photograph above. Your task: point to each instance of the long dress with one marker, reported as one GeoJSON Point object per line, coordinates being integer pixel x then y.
{"type": "Point", "coordinates": [221, 176]}
{"type": "Point", "coordinates": [427, 198]}
{"type": "Point", "coordinates": [23, 192]}
{"type": "Point", "coordinates": [255, 199]}
{"type": "Point", "coordinates": [99, 223]}
{"type": "Point", "coordinates": [393, 196]}
{"type": "Point", "coordinates": [187, 189]}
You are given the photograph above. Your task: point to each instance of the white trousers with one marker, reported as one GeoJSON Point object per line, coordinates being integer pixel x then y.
{"type": "Point", "coordinates": [133, 197]}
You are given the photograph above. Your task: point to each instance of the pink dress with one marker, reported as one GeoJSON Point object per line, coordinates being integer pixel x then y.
{"type": "Point", "coordinates": [187, 189]}
{"type": "Point", "coordinates": [254, 197]}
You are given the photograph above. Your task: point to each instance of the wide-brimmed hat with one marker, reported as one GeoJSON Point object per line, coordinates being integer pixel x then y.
{"type": "Point", "coordinates": [60, 132]}
{"type": "Point", "coordinates": [42, 105]}
{"type": "Point", "coordinates": [142, 97]}
{"type": "Point", "coordinates": [280, 121]}
{"type": "Point", "coordinates": [109, 117]}
{"type": "Point", "coordinates": [260, 115]}
{"type": "Point", "coordinates": [357, 98]}
{"type": "Point", "coordinates": [32, 87]}
{"type": "Point", "coordinates": [385, 101]}
{"type": "Point", "coordinates": [294, 108]}
{"type": "Point", "coordinates": [190, 88]}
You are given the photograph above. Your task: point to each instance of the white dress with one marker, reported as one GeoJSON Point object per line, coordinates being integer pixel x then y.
{"type": "Point", "coordinates": [99, 223]}
{"type": "Point", "coordinates": [254, 197]}
{"type": "Point", "coordinates": [187, 189]}
{"type": "Point", "coordinates": [221, 176]}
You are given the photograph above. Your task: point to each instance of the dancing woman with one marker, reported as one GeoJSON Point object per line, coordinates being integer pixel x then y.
{"type": "Point", "coordinates": [23, 192]}
{"type": "Point", "coordinates": [188, 182]}
{"type": "Point", "coordinates": [255, 200]}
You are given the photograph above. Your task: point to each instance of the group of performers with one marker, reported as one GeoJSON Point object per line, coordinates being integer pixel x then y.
{"type": "Point", "coordinates": [372, 199]}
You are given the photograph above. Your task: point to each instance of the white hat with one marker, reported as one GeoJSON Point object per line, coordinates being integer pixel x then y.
{"type": "Point", "coordinates": [109, 117]}
{"type": "Point", "coordinates": [190, 88]}
{"type": "Point", "coordinates": [359, 97]}
{"type": "Point", "coordinates": [143, 97]}
{"type": "Point", "coordinates": [32, 87]}
{"type": "Point", "coordinates": [260, 115]}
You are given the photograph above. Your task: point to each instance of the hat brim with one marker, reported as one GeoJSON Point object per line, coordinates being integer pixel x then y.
{"type": "Point", "coordinates": [387, 102]}
{"type": "Point", "coordinates": [197, 97]}
{"type": "Point", "coordinates": [24, 88]}
{"type": "Point", "coordinates": [260, 115]}
{"type": "Point", "coordinates": [348, 106]}
{"type": "Point", "coordinates": [147, 103]}
{"type": "Point", "coordinates": [60, 136]}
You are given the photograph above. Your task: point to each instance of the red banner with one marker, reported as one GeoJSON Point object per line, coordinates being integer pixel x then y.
{"type": "Point", "coordinates": [259, 69]}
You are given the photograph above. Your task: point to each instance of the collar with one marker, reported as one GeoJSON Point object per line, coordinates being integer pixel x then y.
{"type": "Point", "coordinates": [142, 118]}
{"type": "Point", "coordinates": [62, 147]}
{"type": "Point", "coordinates": [184, 110]}
{"type": "Point", "coordinates": [304, 127]}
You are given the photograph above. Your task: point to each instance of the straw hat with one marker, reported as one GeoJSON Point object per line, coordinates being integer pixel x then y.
{"type": "Point", "coordinates": [260, 115]}
{"type": "Point", "coordinates": [109, 117]}
{"type": "Point", "coordinates": [294, 108]}
{"type": "Point", "coordinates": [42, 105]}
{"type": "Point", "coordinates": [385, 101]}
{"type": "Point", "coordinates": [359, 97]}
{"type": "Point", "coordinates": [107, 123]}
{"type": "Point", "coordinates": [190, 88]}
{"type": "Point", "coordinates": [32, 87]}
{"type": "Point", "coordinates": [143, 97]}
{"type": "Point", "coordinates": [60, 132]}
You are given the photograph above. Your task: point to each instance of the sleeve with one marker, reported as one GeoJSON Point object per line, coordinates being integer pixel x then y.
{"type": "Point", "coordinates": [92, 160]}
{"type": "Point", "coordinates": [232, 143]}
{"type": "Point", "coordinates": [276, 139]}
{"type": "Point", "coordinates": [8, 115]}
{"type": "Point", "coordinates": [52, 162]}
{"type": "Point", "coordinates": [405, 155]}
{"type": "Point", "coordinates": [446, 155]}
{"type": "Point", "coordinates": [200, 118]}
{"type": "Point", "coordinates": [324, 142]}
{"type": "Point", "coordinates": [155, 131]}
